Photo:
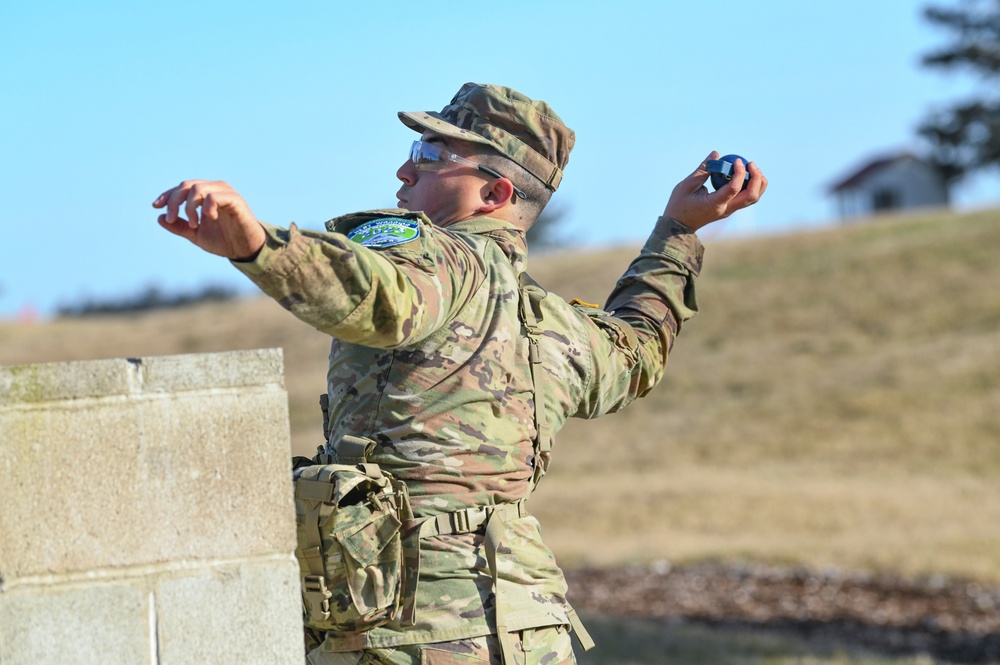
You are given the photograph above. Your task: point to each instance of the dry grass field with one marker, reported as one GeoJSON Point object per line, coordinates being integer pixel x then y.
{"type": "Point", "coordinates": [836, 403]}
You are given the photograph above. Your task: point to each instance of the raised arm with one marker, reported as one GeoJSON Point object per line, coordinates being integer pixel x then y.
{"type": "Point", "coordinates": [656, 294]}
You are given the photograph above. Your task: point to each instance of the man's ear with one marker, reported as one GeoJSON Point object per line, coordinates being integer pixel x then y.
{"type": "Point", "coordinates": [496, 194]}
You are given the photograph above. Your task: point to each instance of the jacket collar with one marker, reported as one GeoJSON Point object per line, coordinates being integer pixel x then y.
{"type": "Point", "coordinates": [508, 237]}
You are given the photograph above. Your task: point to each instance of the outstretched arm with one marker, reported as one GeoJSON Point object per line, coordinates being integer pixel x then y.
{"type": "Point", "coordinates": [378, 298]}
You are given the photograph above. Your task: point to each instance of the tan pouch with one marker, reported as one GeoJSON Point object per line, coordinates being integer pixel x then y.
{"type": "Point", "coordinates": [350, 548]}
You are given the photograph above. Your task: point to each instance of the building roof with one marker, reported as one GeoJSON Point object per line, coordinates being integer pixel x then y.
{"type": "Point", "coordinates": [858, 176]}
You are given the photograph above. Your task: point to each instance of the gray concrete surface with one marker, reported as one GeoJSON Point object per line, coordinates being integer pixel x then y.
{"type": "Point", "coordinates": [147, 512]}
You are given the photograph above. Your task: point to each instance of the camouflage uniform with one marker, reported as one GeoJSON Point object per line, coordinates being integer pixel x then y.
{"type": "Point", "coordinates": [429, 359]}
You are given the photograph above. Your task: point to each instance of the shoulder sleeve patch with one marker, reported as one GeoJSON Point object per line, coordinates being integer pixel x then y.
{"type": "Point", "coordinates": [385, 232]}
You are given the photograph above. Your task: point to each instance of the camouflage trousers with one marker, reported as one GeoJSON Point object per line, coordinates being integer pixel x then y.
{"type": "Point", "coordinates": [549, 645]}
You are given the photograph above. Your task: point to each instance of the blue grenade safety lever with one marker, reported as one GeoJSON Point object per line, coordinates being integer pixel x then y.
{"type": "Point", "coordinates": [722, 170]}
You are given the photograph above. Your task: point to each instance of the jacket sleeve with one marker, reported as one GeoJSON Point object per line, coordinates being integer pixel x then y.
{"type": "Point", "coordinates": [382, 298]}
{"type": "Point", "coordinates": [632, 338]}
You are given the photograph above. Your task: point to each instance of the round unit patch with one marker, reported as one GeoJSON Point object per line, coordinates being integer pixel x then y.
{"type": "Point", "coordinates": [385, 232]}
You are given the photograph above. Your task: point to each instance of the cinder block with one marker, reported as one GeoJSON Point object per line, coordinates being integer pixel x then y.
{"type": "Point", "coordinates": [93, 624]}
{"type": "Point", "coordinates": [248, 613]}
{"type": "Point", "coordinates": [53, 382]}
{"type": "Point", "coordinates": [66, 474]}
{"type": "Point", "coordinates": [237, 369]}
{"type": "Point", "coordinates": [217, 475]}
{"type": "Point", "coordinates": [188, 460]}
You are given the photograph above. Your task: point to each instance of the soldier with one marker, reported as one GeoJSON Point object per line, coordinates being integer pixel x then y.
{"type": "Point", "coordinates": [457, 370]}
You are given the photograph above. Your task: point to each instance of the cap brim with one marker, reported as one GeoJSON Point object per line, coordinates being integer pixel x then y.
{"type": "Point", "coordinates": [421, 121]}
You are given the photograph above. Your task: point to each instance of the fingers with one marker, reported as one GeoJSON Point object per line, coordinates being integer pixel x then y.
{"type": "Point", "coordinates": [701, 173]}
{"type": "Point", "coordinates": [192, 195]}
{"type": "Point", "coordinates": [703, 167]}
{"type": "Point", "coordinates": [210, 207]}
{"type": "Point", "coordinates": [191, 204]}
{"type": "Point", "coordinates": [758, 183]}
{"type": "Point", "coordinates": [723, 198]}
{"type": "Point", "coordinates": [733, 197]}
{"type": "Point", "coordinates": [182, 230]}
{"type": "Point", "coordinates": [163, 201]}
{"type": "Point", "coordinates": [754, 189]}
{"type": "Point", "coordinates": [171, 200]}
{"type": "Point", "coordinates": [694, 182]}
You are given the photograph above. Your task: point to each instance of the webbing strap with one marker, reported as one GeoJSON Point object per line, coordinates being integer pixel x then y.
{"type": "Point", "coordinates": [530, 319]}
{"type": "Point", "coordinates": [353, 449]}
{"type": "Point", "coordinates": [324, 404]}
{"type": "Point", "coordinates": [373, 471]}
{"type": "Point", "coordinates": [586, 641]}
{"type": "Point", "coordinates": [542, 445]}
{"type": "Point", "coordinates": [468, 520]}
{"type": "Point", "coordinates": [494, 537]}
{"type": "Point", "coordinates": [314, 490]}
{"type": "Point", "coordinates": [315, 593]}
{"type": "Point", "coordinates": [543, 442]}
{"type": "Point", "coordinates": [312, 539]}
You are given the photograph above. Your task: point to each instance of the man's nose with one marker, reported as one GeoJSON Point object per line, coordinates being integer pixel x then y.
{"type": "Point", "coordinates": [407, 173]}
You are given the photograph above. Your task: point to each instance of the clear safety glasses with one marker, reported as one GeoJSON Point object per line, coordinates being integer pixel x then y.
{"type": "Point", "coordinates": [432, 157]}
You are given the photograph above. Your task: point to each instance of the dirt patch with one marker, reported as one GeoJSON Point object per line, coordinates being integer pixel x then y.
{"type": "Point", "coordinates": [953, 620]}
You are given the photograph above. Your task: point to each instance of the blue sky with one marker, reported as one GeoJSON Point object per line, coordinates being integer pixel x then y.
{"type": "Point", "coordinates": [107, 104]}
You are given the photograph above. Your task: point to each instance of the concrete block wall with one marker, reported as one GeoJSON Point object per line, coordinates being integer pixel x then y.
{"type": "Point", "coordinates": [146, 512]}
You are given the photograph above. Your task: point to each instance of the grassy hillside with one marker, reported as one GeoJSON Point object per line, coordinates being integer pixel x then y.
{"type": "Point", "coordinates": [837, 402]}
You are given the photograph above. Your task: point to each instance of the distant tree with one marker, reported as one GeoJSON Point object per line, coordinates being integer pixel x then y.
{"type": "Point", "coordinates": [543, 234]}
{"type": "Point", "coordinates": [966, 136]}
{"type": "Point", "coordinates": [150, 298]}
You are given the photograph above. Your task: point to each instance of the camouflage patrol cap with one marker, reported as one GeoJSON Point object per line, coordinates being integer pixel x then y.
{"type": "Point", "coordinates": [528, 132]}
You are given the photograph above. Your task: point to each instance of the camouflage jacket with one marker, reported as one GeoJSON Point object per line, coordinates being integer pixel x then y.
{"type": "Point", "coordinates": [430, 360]}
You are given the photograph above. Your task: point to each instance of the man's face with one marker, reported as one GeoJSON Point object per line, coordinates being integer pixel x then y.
{"type": "Point", "coordinates": [452, 194]}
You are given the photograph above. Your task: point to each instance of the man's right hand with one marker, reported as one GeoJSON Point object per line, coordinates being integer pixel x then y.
{"type": "Point", "coordinates": [692, 204]}
{"type": "Point", "coordinates": [218, 219]}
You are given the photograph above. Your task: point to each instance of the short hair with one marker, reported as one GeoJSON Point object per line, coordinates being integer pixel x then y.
{"type": "Point", "coordinates": [537, 195]}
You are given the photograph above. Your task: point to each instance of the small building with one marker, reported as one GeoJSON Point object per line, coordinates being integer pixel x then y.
{"type": "Point", "coordinates": [895, 182]}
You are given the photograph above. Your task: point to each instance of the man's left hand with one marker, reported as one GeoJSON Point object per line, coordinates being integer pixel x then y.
{"type": "Point", "coordinates": [691, 203]}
